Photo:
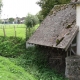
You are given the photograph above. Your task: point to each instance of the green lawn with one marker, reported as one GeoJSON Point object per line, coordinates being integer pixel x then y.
{"type": "Point", "coordinates": [9, 30]}
{"type": "Point", "coordinates": [10, 71]}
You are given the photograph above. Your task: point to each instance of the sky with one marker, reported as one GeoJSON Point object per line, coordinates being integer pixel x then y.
{"type": "Point", "coordinates": [19, 8]}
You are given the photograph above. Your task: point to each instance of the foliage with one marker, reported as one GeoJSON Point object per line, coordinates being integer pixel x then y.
{"type": "Point", "coordinates": [0, 21]}
{"type": "Point", "coordinates": [11, 47]}
{"type": "Point", "coordinates": [11, 20]}
{"type": "Point", "coordinates": [30, 31]}
{"type": "Point", "coordinates": [35, 20]}
{"type": "Point", "coordinates": [28, 64]}
{"type": "Point", "coordinates": [35, 61]}
{"type": "Point", "coordinates": [40, 17]}
{"type": "Point", "coordinates": [28, 21]}
{"type": "Point", "coordinates": [0, 10]}
{"type": "Point", "coordinates": [31, 20]}
{"type": "Point", "coordinates": [0, 5]}
{"type": "Point", "coordinates": [47, 5]}
{"type": "Point", "coordinates": [10, 71]}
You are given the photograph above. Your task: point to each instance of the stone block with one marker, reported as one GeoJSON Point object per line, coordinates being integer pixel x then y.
{"type": "Point", "coordinates": [73, 68]}
{"type": "Point", "coordinates": [29, 45]}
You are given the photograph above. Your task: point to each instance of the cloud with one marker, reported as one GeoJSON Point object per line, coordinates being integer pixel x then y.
{"type": "Point", "coordinates": [20, 8]}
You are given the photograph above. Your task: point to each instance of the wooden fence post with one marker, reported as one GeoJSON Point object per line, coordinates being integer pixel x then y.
{"type": "Point", "coordinates": [4, 31]}
{"type": "Point", "coordinates": [15, 31]}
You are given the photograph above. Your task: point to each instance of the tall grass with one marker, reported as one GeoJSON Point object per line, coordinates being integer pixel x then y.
{"type": "Point", "coordinates": [10, 71]}
{"type": "Point", "coordinates": [30, 63]}
{"type": "Point", "coordinates": [19, 63]}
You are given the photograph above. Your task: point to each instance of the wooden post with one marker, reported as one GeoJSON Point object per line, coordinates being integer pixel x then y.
{"type": "Point", "coordinates": [14, 31]}
{"type": "Point", "coordinates": [26, 33]}
{"type": "Point", "coordinates": [4, 31]}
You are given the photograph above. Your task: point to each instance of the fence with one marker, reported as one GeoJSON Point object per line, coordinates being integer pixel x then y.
{"type": "Point", "coordinates": [16, 30]}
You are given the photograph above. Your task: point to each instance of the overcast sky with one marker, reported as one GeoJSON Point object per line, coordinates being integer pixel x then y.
{"type": "Point", "coordinates": [19, 8]}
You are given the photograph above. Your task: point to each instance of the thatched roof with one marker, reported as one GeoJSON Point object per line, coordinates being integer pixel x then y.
{"type": "Point", "coordinates": [58, 29]}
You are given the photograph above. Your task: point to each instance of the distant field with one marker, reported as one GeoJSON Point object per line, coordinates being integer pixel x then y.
{"type": "Point", "coordinates": [9, 30]}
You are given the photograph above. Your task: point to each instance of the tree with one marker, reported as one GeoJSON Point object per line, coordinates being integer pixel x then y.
{"type": "Point", "coordinates": [11, 20]}
{"type": "Point", "coordinates": [0, 21]}
{"type": "Point", "coordinates": [0, 6]}
{"type": "Point", "coordinates": [40, 16]}
{"type": "Point", "coordinates": [35, 20]}
{"type": "Point", "coordinates": [47, 5]}
{"type": "Point", "coordinates": [30, 21]}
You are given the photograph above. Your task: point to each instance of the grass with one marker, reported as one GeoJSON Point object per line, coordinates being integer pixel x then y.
{"type": "Point", "coordinates": [19, 63]}
{"type": "Point", "coordinates": [9, 30]}
{"type": "Point", "coordinates": [8, 46]}
{"type": "Point", "coordinates": [23, 64]}
{"type": "Point", "coordinates": [10, 71]}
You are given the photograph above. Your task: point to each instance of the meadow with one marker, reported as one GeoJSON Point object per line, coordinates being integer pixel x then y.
{"type": "Point", "coordinates": [19, 28]}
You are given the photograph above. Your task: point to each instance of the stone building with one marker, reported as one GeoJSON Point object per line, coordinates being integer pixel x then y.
{"type": "Point", "coordinates": [60, 30]}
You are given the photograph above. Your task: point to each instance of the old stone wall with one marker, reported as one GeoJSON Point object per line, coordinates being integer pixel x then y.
{"type": "Point", "coordinates": [73, 68]}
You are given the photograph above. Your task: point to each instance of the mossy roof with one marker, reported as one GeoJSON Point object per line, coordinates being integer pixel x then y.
{"type": "Point", "coordinates": [58, 29]}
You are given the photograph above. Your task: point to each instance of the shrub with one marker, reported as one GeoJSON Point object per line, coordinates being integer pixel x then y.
{"type": "Point", "coordinates": [11, 47]}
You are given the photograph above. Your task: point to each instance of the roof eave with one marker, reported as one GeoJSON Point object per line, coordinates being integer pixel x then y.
{"type": "Point", "coordinates": [75, 34]}
{"type": "Point", "coordinates": [75, 2]}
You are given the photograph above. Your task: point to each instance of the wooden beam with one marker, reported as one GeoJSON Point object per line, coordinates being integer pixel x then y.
{"type": "Point", "coordinates": [73, 45]}
{"type": "Point", "coordinates": [73, 36]}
